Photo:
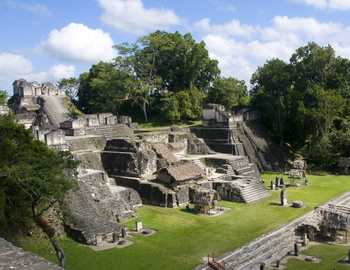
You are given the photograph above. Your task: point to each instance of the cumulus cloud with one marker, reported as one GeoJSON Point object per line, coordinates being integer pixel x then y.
{"type": "Point", "coordinates": [54, 73]}
{"type": "Point", "coordinates": [242, 48]}
{"type": "Point", "coordinates": [77, 42]}
{"type": "Point", "coordinates": [327, 4]}
{"type": "Point", "coordinates": [231, 28]}
{"type": "Point", "coordinates": [133, 17]}
{"type": "Point", "coordinates": [15, 66]}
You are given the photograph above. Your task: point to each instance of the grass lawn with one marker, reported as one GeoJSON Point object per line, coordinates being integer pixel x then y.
{"type": "Point", "coordinates": [330, 255]}
{"type": "Point", "coordinates": [156, 125]}
{"type": "Point", "coordinates": [184, 238]}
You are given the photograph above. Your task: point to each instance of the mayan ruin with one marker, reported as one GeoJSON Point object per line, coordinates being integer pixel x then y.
{"type": "Point", "coordinates": [175, 135]}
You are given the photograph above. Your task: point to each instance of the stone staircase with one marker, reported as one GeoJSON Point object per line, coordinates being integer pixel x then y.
{"type": "Point", "coordinates": [253, 191]}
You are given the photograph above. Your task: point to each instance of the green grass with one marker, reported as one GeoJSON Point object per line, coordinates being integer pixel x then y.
{"type": "Point", "coordinates": [330, 255]}
{"type": "Point", "coordinates": [184, 238]}
{"type": "Point", "coordinates": [158, 125]}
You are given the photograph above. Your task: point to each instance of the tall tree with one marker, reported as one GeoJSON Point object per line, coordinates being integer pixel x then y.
{"type": "Point", "coordinates": [103, 88]}
{"type": "Point", "coordinates": [3, 97]}
{"type": "Point", "coordinates": [271, 84]}
{"type": "Point", "coordinates": [229, 92]}
{"type": "Point", "coordinates": [33, 178]}
{"type": "Point", "coordinates": [177, 59]}
{"type": "Point", "coordinates": [306, 101]}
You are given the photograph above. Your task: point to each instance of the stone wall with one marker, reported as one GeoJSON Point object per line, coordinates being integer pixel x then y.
{"type": "Point", "coordinates": [24, 88]}
{"type": "Point", "coordinates": [156, 194]}
{"type": "Point", "coordinates": [129, 158]}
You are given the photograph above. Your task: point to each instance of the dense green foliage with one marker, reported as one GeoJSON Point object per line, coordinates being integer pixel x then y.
{"type": "Point", "coordinates": [178, 60]}
{"type": "Point", "coordinates": [32, 176]}
{"type": "Point", "coordinates": [183, 238]}
{"type": "Point", "coordinates": [305, 102]}
{"type": "Point", "coordinates": [103, 88]}
{"type": "Point", "coordinates": [163, 76]}
{"type": "Point", "coordinates": [229, 92]}
{"type": "Point", "coordinates": [3, 97]}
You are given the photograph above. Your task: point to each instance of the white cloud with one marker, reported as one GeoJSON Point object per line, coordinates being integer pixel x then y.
{"type": "Point", "coordinates": [62, 71]}
{"type": "Point", "coordinates": [15, 66]}
{"type": "Point", "coordinates": [77, 42]}
{"type": "Point", "coordinates": [327, 4]}
{"type": "Point", "coordinates": [133, 17]}
{"type": "Point", "coordinates": [242, 48]}
{"type": "Point", "coordinates": [231, 28]}
{"type": "Point", "coordinates": [54, 73]}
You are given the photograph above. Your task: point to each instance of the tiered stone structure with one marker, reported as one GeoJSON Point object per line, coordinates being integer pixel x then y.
{"type": "Point", "coordinates": [120, 170]}
{"type": "Point", "coordinates": [239, 133]}
{"type": "Point", "coordinates": [95, 207]}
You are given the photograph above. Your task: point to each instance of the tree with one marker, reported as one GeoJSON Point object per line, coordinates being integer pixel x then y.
{"type": "Point", "coordinates": [270, 93]}
{"type": "Point", "coordinates": [70, 86]}
{"type": "Point", "coordinates": [177, 59]}
{"type": "Point", "coordinates": [3, 97]}
{"type": "Point", "coordinates": [33, 178]}
{"type": "Point", "coordinates": [140, 96]}
{"type": "Point", "coordinates": [306, 101]}
{"type": "Point", "coordinates": [103, 89]}
{"type": "Point", "coordinates": [229, 92]}
{"type": "Point", "coordinates": [313, 64]}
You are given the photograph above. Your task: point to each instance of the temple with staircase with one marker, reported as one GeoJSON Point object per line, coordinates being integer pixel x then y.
{"type": "Point", "coordinates": [122, 167]}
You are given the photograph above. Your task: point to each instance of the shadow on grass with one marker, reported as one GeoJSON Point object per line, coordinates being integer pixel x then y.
{"type": "Point", "coordinates": [189, 211]}
{"type": "Point", "coordinates": [275, 204]}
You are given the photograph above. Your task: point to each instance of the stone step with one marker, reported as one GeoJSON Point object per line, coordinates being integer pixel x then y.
{"type": "Point", "coordinates": [256, 197]}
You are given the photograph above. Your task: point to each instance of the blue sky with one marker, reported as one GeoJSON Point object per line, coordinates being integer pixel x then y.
{"type": "Point", "coordinates": [47, 40]}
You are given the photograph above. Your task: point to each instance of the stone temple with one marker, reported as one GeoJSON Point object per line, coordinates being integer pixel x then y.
{"type": "Point", "coordinates": [123, 167]}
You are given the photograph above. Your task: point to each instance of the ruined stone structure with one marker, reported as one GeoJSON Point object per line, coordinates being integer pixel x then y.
{"type": "Point", "coordinates": [120, 170]}
{"type": "Point", "coordinates": [205, 201]}
{"type": "Point", "coordinates": [105, 124]}
{"type": "Point", "coordinates": [298, 169]}
{"type": "Point", "coordinates": [272, 247]}
{"type": "Point", "coordinates": [12, 257]}
{"type": "Point", "coordinates": [95, 207]}
{"type": "Point", "coordinates": [239, 133]}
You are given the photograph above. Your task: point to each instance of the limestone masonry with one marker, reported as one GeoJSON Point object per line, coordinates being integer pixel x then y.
{"type": "Point", "coordinates": [122, 167]}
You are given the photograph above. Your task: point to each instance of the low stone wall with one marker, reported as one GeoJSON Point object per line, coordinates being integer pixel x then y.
{"type": "Point", "coordinates": [86, 143]}
{"type": "Point", "coordinates": [112, 131]}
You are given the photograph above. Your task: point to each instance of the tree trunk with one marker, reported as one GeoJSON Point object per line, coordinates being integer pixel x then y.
{"type": "Point", "coordinates": [144, 109]}
{"type": "Point", "coordinates": [50, 232]}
